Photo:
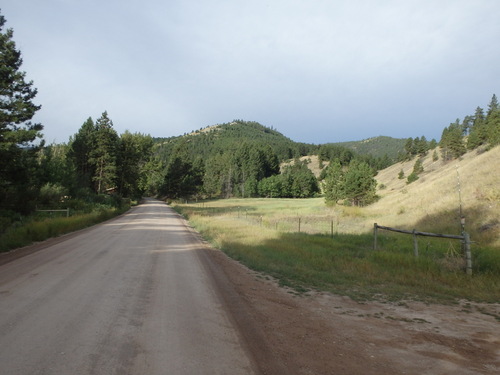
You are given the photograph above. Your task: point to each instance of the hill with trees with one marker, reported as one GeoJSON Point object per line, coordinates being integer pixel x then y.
{"type": "Point", "coordinates": [377, 147]}
{"type": "Point", "coordinates": [227, 160]}
{"type": "Point", "coordinates": [229, 136]}
{"type": "Point", "coordinates": [242, 159]}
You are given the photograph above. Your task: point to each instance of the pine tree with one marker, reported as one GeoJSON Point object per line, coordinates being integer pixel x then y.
{"type": "Point", "coordinates": [183, 177]}
{"type": "Point", "coordinates": [494, 128]}
{"type": "Point", "coordinates": [421, 146]}
{"type": "Point", "coordinates": [18, 136]}
{"type": "Point", "coordinates": [452, 141]}
{"type": "Point", "coordinates": [134, 152]}
{"type": "Point", "coordinates": [56, 168]}
{"type": "Point", "coordinates": [359, 184]}
{"type": "Point", "coordinates": [467, 124]}
{"type": "Point", "coordinates": [493, 106]}
{"type": "Point", "coordinates": [81, 145]}
{"type": "Point", "coordinates": [433, 144]}
{"type": "Point", "coordinates": [409, 149]}
{"type": "Point", "coordinates": [478, 131]}
{"type": "Point", "coordinates": [301, 182]}
{"type": "Point", "coordinates": [103, 155]}
{"type": "Point", "coordinates": [333, 184]}
{"type": "Point", "coordinates": [492, 122]}
{"type": "Point", "coordinates": [217, 174]}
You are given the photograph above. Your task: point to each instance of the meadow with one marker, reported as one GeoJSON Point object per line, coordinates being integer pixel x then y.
{"type": "Point", "coordinates": [263, 235]}
{"type": "Point", "coordinates": [307, 245]}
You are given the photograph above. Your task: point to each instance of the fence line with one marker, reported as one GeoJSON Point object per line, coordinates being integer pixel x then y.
{"type": "Point", "coordinates": [465, 238]}
{"type": "Point", "coordinates": [65, 210]}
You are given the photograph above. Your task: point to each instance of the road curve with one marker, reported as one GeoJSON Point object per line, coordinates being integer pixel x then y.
{"type": "Point", "coordinates": [131, 296]}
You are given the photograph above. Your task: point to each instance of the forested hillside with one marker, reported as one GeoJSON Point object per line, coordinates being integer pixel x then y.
{"type": "Point", "coordinates": [231, 159]}
{"type": "Point", "coordinates": [242, 159]}
{"type": "Point", "coordinates": [229, 136]}
{"type": "Point", "coordinates": [376, 146]}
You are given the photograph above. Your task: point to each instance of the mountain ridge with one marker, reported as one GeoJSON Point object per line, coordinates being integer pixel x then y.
{"type": "Point", "coordinates": [233, 133]}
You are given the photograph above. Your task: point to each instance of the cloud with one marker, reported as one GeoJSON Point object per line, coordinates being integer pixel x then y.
{"type": "Point", "coordinates": [317, 70]}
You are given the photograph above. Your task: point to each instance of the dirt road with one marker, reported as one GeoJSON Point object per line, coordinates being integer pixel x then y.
{"type": "Point", "coordinates": [142, 294]}
{"type": "Point", "coordinates": [132, 296]}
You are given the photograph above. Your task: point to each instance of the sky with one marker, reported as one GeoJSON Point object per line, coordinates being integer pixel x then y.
{"type": "Point", "coordinates": [317, 71]}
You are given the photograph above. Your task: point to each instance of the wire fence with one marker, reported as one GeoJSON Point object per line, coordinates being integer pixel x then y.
{"type": "Point", "coordinates": [313, 224]}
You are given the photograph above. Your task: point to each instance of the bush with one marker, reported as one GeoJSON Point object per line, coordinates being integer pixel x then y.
{"type": "Point", "coordinates": [52, 194]}
{"type": "Point", "coordinates": [412, 178]}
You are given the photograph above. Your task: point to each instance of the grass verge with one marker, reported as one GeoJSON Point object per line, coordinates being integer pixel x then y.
{"type": "Point", "coordinates": [33, 230]}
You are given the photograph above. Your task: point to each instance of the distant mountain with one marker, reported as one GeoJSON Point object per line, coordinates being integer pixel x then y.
{"type": "Point", "coordinates": [376, 146]}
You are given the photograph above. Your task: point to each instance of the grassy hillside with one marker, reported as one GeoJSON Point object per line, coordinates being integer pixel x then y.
{"type": "Point", "coordinates": [432, 202]}
{"type": "Point", "coordinates": [312, 161]}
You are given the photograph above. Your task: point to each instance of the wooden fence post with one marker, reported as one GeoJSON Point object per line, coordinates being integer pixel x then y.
{"type": "Point", "coordinates": [415, 244]}
{"type": "Point", "coordinates": [465, 238]}
{"type": "Point", "coordinates": [468, 258]}
{"type": "Point", "coordinates": [299, 224]}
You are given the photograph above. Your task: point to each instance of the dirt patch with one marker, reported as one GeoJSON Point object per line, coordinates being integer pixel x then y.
{"type": "Point", "coordinates": [320, 333]}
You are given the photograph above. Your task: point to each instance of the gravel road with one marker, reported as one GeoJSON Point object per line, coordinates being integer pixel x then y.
{"type": "Point", "coordinates": [143, 294]}
{"type": "Point", "coordinates": [134, 295]}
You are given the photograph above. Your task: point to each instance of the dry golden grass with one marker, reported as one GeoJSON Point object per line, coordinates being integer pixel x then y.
{"type": "Point", "coordinates": [429, 204]}
{"type": "Point", "coordinates": [313, 164]}
{"type": "Point", "coordinates": [434, 199]}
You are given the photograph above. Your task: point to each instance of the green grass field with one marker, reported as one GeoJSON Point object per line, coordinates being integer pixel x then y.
{"type": "Point", "coordinates": [264, 235]}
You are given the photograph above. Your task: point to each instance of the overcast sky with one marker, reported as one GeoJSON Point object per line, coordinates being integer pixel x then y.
{"type": "Point", "coordinates": [316, 70]}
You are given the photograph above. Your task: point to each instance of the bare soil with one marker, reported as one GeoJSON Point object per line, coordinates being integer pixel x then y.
{"type": "Point", "coordinates": [321, 333]}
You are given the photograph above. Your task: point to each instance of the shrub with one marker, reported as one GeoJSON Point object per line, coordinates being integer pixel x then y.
{"type": "Point", "coordinates": [52, 194]}
{"type": "Point", "coordinates": [412, 178]}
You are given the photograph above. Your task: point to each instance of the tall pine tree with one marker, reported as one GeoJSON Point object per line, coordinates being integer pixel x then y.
{"type": "Point", "coordinates": [477, 132]}
{"type": "Point", "coordinates": [18, 136]}
{"type": "Point", "coordinates": [134, 152]}
{"type": "Point", "coordinates": [493, 122]}
{"type": "Point", "coordinates": [103, 155]}
{"type": "Point", "coordinates": [81, 146]}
